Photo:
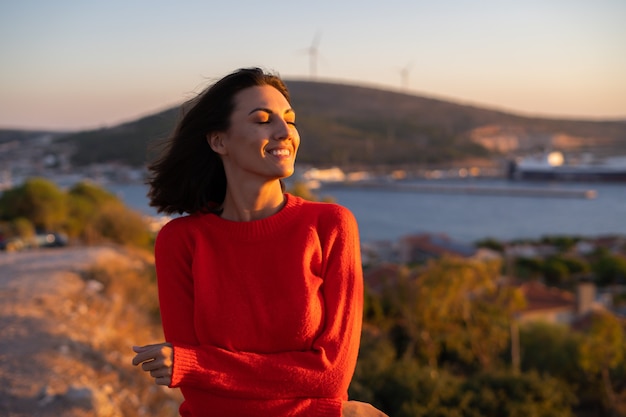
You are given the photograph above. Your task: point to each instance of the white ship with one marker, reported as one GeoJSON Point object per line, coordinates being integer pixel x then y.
{"type": "Point", "coordinates": [553, 166]}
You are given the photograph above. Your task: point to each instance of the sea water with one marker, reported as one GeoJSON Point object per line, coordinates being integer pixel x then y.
{"type": "Point", "coordinates": [390, 214]}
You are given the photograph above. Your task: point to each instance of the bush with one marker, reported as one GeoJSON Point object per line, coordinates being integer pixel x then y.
{"type": "Point", "coordinates": [555, 272]}
{"type": "Point", "coordinates": [86, 212]}
{"type": "Point", "coordinates": [491, 243]}
{"type": "Point", "coordinates": [525, 395]}
{"type": "Point", "coordinates": [609, 269]}
{"type": "Point", "coordinates": [528, 268]}
{"type": "Point", "coordinates": [116, 223]}
{"type": "Point", "coordinates": [550, 349]}
{"type": "Point", "coordinates": [39, 200]}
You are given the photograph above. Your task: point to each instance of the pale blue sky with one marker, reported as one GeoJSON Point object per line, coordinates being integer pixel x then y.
{"type": "Point", "coordinates": [75, 64]}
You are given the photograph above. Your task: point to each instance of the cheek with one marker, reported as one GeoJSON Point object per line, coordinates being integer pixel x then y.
{"type": "Point", "coordinates": [296, 139]}
{"type": "Point", "coordinates": [248, 138]}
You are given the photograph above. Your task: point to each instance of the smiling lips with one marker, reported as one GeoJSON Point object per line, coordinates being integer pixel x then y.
{"type": "Point", "coordinates": [280, 152]}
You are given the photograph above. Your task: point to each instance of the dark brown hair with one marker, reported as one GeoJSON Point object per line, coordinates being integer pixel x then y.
{"type": "Point", "coordinates": [188, 176]}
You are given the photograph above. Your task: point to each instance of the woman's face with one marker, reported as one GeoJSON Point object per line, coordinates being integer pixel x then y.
{"type": "Point", "coordinates": [262, 140]}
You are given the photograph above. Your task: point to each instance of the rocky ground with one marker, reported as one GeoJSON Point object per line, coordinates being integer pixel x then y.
{"type": "Point", "coordinates": [66, 337]}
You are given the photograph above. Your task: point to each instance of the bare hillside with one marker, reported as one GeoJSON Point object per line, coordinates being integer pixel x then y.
{"type": "Point", "coordinates": [355, 125]}
{"type": "Point", "coordinates": [66, 333]}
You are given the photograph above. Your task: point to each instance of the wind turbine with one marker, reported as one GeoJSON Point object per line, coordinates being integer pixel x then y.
{"type": "Point", "coordinates": [404, 75]}
{"type": "Point", "coordinates": [313, 52]}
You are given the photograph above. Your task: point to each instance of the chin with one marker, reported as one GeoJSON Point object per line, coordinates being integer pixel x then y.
{"type": "Point", "coordinates": [286, 172]}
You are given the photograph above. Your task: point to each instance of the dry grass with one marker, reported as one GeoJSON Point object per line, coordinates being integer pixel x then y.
{"type": "Point", "coordinates": [123, 311]}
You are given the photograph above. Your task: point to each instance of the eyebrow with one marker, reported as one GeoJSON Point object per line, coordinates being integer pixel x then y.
{"type": "Point", "coordinates": [269, 111]}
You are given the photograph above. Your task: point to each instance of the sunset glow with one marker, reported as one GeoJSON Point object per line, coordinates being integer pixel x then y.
{"type": "Point", "coordinates": [77, 65]}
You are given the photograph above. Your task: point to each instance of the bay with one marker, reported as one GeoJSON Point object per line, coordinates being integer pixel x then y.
{"type": "Point", "coordinates": [390, 214]}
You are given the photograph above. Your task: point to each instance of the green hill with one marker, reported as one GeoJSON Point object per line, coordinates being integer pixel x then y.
{"type": "Point", "coordinates": [356, 125]}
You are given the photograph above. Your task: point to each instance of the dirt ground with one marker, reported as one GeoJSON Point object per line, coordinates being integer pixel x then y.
{"type": "Point", "coordinates": [53, 360]}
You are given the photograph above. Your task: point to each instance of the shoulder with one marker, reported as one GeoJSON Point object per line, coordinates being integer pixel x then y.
{"type": "Point", "coordinates": [325, 211]}
{"type": "Point", "coordinates": [178, 230]}
{"type": "Point", "coordinates": [176, 225]}
{"type": "Point", "coordinates": [328, 218]}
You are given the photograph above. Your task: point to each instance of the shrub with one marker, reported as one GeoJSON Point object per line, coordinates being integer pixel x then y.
{"type": "Point", "coordinates": [86, 212]}
{"type": "Point", "coordinates": [39, 200]}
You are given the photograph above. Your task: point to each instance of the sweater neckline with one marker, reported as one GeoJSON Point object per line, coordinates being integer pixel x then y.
{"type": "Point", "coordinates": [255, 229]}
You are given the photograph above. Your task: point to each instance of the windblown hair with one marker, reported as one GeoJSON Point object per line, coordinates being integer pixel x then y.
{"type": "Point", "coordinates": [189, 176]}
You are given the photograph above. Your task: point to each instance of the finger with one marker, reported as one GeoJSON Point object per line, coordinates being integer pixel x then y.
{"type": "Point", "coordinates": [145, 348]}
{"type": "Point", "coordinates": [148, 354]}
{"type": "Point", "coordinates": [161, 372]}
{"type": "Point", "coordinates": [144, 357]}
{"type": "Point", "coordinates": [139, 358]}
{"type": "Point", "coordinates": [155, 364]}
{"type": "Point", "coordinates": [163, 380]}
{"type": "Point", "coordinates": [140, 349]}
{"type": "Point", "coordinates": [150, 366]}
{"type": "Point", "coordinates": [151, 352]}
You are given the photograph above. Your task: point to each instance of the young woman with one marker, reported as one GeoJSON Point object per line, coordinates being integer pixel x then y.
{"type": "Point", "coordinates": [260, 291]}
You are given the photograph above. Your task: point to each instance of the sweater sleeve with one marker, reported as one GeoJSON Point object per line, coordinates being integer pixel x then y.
{"type": "Point", "coordinates": [173, 260]}
{"type": "Point", "coordinates": [324, 371]}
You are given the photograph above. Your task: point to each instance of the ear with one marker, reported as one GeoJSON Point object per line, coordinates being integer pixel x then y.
{"type": "Point", "coordinates": [216, 142]}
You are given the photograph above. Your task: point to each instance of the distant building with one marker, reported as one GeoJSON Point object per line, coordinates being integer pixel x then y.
{"type": "Point", "coordinates": [553, 305]}
{"type": "Point", "coordinates": [384, 275]}
{"type": "Point", "coordinates": [421, 247]}
{"type": "Point", "coordinates": [379, 251]}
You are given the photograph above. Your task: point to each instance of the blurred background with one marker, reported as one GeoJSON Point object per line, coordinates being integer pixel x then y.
{"type": "Point", "coordinates": [74, 65]}
{"type": "Point", "coordinates": [480, 145]}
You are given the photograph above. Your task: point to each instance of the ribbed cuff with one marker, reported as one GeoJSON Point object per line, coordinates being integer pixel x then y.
{"type": "Point", "coordinates": [327, 407]}
{"type": "Point", "coordinates": [185, 361]}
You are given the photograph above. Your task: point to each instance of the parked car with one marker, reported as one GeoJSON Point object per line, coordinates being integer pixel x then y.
{"type": "Point", "coordinates": [40, 240]}
{"type": "Point", "coordinates": [49, 240]}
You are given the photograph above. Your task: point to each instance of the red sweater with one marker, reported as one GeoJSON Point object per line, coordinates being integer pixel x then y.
{"type": "Point", "coordinates": [264, 316]}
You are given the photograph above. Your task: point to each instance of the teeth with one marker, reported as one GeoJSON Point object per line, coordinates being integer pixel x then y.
{"type": "Point", "coordinates": [280, 152]}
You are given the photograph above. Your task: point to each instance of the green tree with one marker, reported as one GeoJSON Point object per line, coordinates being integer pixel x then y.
{"type": "Point", "coordinates": [117, 223]}
{"type": "Point", "coordinates": [609, 268]}
{"type": "Point", "coordinates": [555, 272]}
{"type": "Point", "coordinates": [39, 200]}
{"type": "Point", "coordinates": [562, 243]}
{"type": "Point", "coordinates": [602, 350]}
{"type": "Point", "coordinates": [528, 268]}
{"type": "Point", "coordinates": [21, 227]}
{"type": "Point", "coordinates": [576, 266]}
{"type": "Point", "coordinates": [491, 243]}
{"type": "Point", "coordinates": [524, 395]}
{"type": "Point", "coordinates": [85, 200]}
{"type": "Point", "coordinates": [408, 390]}
{"type": "Point", "coordinates": [373, 311]}
{"type": "Point", "coordinates": [456, 305]}
{"type": "Point", "coordinates": [92, 193]}
{"type": "Point", "coordinates": [551, 349]}
{"type": "Point", "coordinates": [376, 355]}
{"type": "Point", "coordinates": [86, 211]}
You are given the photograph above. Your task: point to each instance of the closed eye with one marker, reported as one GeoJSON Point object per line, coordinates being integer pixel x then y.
{"type": "Point", "coordinates": [271, 115]}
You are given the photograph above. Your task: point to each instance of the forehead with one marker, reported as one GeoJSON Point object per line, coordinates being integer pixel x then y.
{"type": "Point", "coordinates": [264, 96]}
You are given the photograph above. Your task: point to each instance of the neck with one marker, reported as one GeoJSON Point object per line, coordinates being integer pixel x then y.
{"type": "Point", "coordinates": [243, 204]}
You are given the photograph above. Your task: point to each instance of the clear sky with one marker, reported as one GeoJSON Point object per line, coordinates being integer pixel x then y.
{"type": "Point", "coordinates": [74, 64]}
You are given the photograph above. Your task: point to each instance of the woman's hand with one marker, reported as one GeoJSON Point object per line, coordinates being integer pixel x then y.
{"type": "Point", "coordinates": [156, 359]}
{"type": "Point", "coordinates": [360, 409]}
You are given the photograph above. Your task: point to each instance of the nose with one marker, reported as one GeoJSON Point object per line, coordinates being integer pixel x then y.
{"type": "Point", "coordinates": [283, 130]}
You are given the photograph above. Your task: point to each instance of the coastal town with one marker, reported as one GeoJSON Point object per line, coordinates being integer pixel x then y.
{"type": "Point", "coordinates": [562, 281]}
{"type": "Point", "coordinates": [42, 156]}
